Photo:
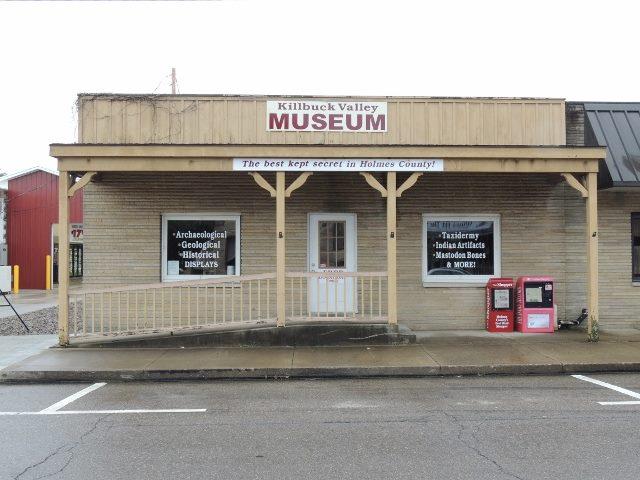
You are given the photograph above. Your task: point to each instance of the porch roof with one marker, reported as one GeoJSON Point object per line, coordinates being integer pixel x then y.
{"type": "Point", "coordinates": [456, 158]}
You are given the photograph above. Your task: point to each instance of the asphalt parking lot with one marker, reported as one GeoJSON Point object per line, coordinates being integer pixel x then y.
{"type": "Point", "coordinates": [529, 427]}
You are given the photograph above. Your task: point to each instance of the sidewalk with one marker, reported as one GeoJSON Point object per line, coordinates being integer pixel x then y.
{"type": "Point", "coordinates": [436, 353]}
{"type": "Point", "coordinates": [27, 301]}
{"type": "Point", "coordinates": [15, 348]}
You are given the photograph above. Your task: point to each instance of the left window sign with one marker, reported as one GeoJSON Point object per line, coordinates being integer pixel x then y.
{"type": "Point", "coordinates": [198, 246]}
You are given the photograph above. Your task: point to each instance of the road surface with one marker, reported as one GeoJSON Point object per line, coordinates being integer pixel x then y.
{"type": "Point", "coordinates": [531, 427]}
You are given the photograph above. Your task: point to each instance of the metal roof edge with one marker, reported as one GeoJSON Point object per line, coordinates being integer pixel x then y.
{"type": "Point", "coordinates": [623, 187]}
{"type": "Point", "coordinates": [594, 106]}
{"type": "Point", "coordinates": [293, 96]}
{"type": "Point", "coordinates": [22, 173]}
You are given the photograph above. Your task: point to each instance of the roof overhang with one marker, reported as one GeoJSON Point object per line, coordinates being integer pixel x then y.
{"type": "Point", "coordinates": [616, 126]}
{"type": "Point", "coordinates": [174, 158]}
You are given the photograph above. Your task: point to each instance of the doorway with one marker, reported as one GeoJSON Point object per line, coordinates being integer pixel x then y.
{"type": "Point", "coordinates": [332, 249]}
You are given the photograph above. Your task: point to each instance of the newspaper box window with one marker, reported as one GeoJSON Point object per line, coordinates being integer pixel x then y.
{"type": "Point", "coordinates": [460, 250]}
{"type": "Point", "coordinates": [198, 246]}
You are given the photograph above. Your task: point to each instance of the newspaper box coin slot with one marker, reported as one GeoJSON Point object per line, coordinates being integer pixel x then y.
{"type": "Point", "coordinates": [499, 295]}
{"type": "Point", "coordinates": [534, 305]}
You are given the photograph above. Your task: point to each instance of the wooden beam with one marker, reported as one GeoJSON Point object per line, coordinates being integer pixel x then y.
{"type": "Point", "coordinates": [574, 183]}
{"type": "Point", "coordinates": [86, 178]}
{"type": "Point", "coordinates": [592, 257]}
{"type": "Point", "coordinates": [225, 164]}
{"type": "Point", "coordinates": [297, 183]}
{"type": "Point", "coordinates": [392, 301]}
{"type": "Point", "coordinates": [372, 181]}
{"type": "Point", "coordinates": [280, 249]}
{"type": "Point", "coordinates": [511, 165]}
{"type": "Point", "coordinates": [408, 183]}
{"type": "Point", "coordinates": [260, 180]}
{"type": "Point", "coordinates": [326, 151]}
{"type": "Point", "coordinates": [63, 258]}
{"type": "Point", "coordinates": [584, 181]}
{"type": "Point", "coordinates": [136, 164]}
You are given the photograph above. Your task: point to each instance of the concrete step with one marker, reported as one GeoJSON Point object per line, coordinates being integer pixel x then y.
{"type": "Point", "coordinates": [307, 335]}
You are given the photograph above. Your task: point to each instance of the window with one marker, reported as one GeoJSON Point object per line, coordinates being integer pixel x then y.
{"type": "Point", "coordinates": [460, 250]}
{"type": "Point", "coordinates": [200, 245]}
{"type": "Point", "coordinates": [75, 260]}
{"type": "Point", "coordinates": [635, 247]}
{"type": "Point", "coordinates": [331, 244]}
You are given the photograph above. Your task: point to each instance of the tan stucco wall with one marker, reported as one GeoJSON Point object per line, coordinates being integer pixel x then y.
{"type": "Point", "coordinates": [542, 233]}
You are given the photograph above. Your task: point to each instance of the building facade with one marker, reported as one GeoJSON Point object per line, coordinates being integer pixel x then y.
{"type": "Point", "coordinates": [3, 225]}
{"type": "Point", "coordinates": [615, 126]}
{"type": "Point", "coordinates": [32, 231]}
{"type": "Point", "coordinates": [381, 209]}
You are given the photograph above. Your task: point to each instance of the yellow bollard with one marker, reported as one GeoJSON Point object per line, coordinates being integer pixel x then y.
{"type": "Point", "coordinates": [47, 270]}
{"type": "Point", "coordinates": [16, 279]}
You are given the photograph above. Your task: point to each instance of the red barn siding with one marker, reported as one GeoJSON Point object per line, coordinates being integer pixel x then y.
{"type": "Point", "coordinates": [32, 208]}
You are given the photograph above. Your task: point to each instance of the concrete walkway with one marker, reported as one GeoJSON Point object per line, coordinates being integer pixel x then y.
{"type": "Point", "coordinates": [15, 348]}
{"type": "Point", "coordinates": [441, 353]}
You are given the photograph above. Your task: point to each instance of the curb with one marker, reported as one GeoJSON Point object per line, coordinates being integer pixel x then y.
{"type": "Point", "coordinates": [45, 376]}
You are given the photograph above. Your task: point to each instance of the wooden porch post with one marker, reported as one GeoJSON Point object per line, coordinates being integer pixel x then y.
{"type": "Point", "coordinates": [391, 249]}
{"type": "Point", "coordinates": [63, 258]}
{"type": "Point", "coordinates": [592, 256]}
{"type": "Point", "coordinates": [391, 193]}
{"type": "Point", "coordinates": [280, 192]}
{"type": "Point", "coordinates": [280, 249]}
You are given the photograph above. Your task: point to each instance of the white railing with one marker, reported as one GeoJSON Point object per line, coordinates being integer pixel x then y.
{"type": "Point", "coordinates": [155, 307]}
{"type": "Point", "coordinates": [336, 296]}
{"type": "Point", "coordinates": [246, 299]}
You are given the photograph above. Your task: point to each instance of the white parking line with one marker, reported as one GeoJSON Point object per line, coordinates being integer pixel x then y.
{"type": "Point", "coordinates": [102, 412]}
{"type": "Point", "coordinates": [66, 401]}
{"type": "Point", "coordinates": [55, 408]}
{"type": "Point", "coordinates": [610, 386]}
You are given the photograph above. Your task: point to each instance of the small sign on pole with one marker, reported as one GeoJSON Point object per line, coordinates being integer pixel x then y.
{"type": "Point", "coordinates": [5, 278]}
{"type": "Point", "coordinates": [5, 287]}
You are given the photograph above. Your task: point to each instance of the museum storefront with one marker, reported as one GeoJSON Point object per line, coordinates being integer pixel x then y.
{"type": "Point", "coordinates": [204, 211]}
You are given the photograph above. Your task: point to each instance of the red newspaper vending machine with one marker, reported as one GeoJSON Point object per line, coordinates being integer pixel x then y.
{"type": "Point", "coordinates": [534, 305]}
{"type": "Point", "coordinates": [500, 305]}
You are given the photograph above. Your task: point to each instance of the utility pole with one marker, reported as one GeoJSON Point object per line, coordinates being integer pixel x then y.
{"type": "Point", "coordinates": [173, 81]}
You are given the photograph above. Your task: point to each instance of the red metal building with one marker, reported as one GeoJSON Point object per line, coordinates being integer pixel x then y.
{"type": "Point", "coordinates": [32, 210]}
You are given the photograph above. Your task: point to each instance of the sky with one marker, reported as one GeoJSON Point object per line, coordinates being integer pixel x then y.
{"type": "Point", "coordinates": [50, 52]}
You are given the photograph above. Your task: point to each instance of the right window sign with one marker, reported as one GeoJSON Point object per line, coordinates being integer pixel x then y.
{"type": "Point", "coordinates": [460, 249]}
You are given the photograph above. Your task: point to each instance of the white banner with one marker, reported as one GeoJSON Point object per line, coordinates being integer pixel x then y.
{"type": "Point", "coordinates": [339, 164]}
{"type": "Point", "coordinates": [326, 116]}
